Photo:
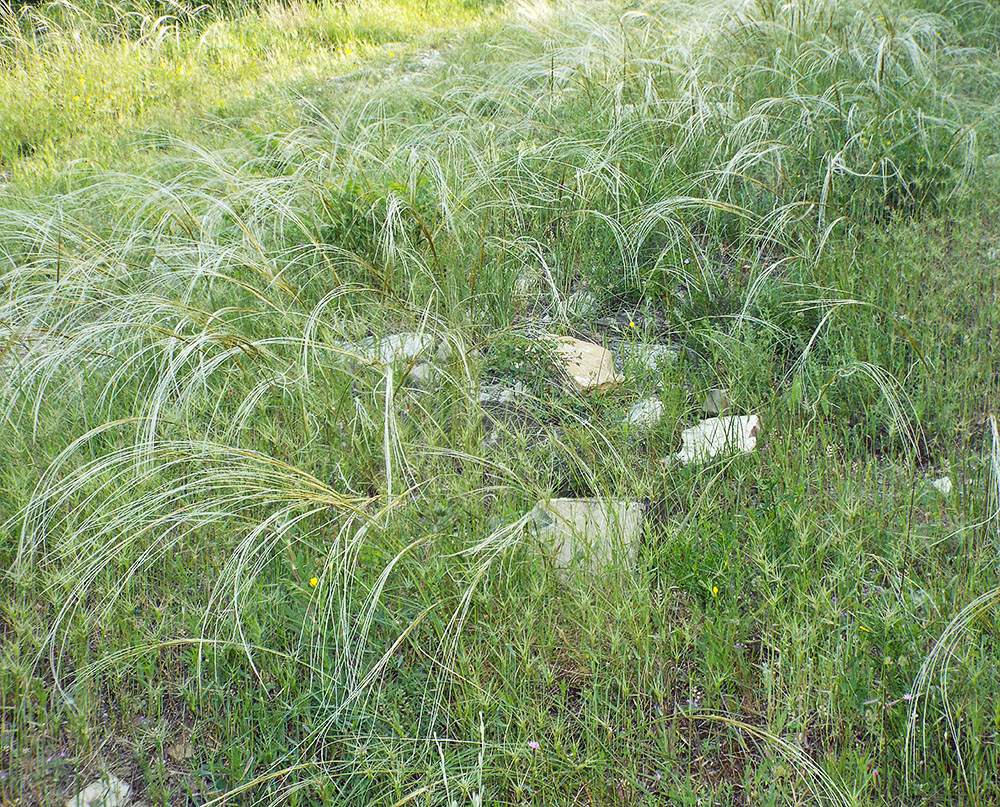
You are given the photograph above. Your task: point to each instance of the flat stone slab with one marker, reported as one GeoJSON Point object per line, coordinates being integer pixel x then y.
{"type": "Point", "coordinates": [109, 791]}
{"type": "Point", "coordinates": [718, 435]}
{"type": "Point", "coordinates": [590, 366]}
{"type": "Point", "coordinates": [588, 533]}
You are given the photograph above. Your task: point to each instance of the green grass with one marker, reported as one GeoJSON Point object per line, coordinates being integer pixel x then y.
{"type": "Point", "coordinates": [800, 198]}
{"type": "Point", "coordinates": [82, 84]}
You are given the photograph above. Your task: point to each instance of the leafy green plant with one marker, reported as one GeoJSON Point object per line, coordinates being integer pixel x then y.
{"type": "Point", "coordinates": [516, 357]}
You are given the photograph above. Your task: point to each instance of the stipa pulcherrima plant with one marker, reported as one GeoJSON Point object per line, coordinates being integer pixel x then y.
{"type": "Point", "coordinates": [840, 116]}
{"type": "Point", "coordinates": [187, 346]}
{"type": "Point", "coordinates": [243, 286]}
{"type": "Point", "coordinates": [936, 674]}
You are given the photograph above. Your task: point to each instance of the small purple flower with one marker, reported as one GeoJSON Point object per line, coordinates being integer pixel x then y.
{"type": "Point", "coordinates": [909, 696]}
{"type": "Point", "coordinates": [738, 646]}
{"type": "Point", "coordinates": [534, 745]}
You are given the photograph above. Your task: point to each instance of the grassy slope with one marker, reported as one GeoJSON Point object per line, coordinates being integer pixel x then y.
{"type": "Point", "coordinates": [784, 602]}
{"type": "Point", "coordinates": [81, 92]}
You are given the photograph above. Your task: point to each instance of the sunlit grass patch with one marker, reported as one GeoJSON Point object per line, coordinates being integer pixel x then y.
{"type": "Point", "coordinates": [75, 77]}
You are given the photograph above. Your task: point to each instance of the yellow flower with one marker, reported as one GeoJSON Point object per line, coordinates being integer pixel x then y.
{"type": "Point", "coordinates": [631, 324]}
{"type": "Point", "coordinates": [862, 627]}
{"type": "Point", "coordinates": [314, 581]}
{"type": "Point", "coordinates": [715, 591]}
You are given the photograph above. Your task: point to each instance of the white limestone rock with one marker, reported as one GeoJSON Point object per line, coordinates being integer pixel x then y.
{"type": "Point", "coordinates": [942, 485]}
{"type": "Point", "coordinates": [581, 303]}
{"type": "Point", "coordinates": [110, 791]}
{"type": "Point", "coordinates": [645, 414]}
{"type": "Point", "coordinates": [402, 347]}
{"type": "Point", "coordinates": [499, 394]}
{"type": "Point", "coordinates": [590, 366]}
{"type": "Point", "coordinates": [718, 435]}
{"type": "Point", "coordinates": [424, 373]}
{"type": "Point", "coordinates": [430, 58]}
{"type": "Point", "coordinates": [650, 357]}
